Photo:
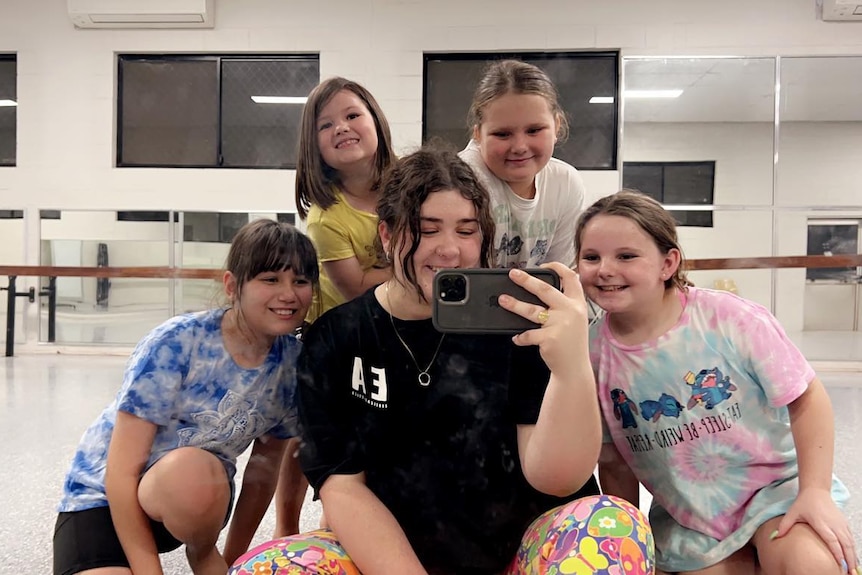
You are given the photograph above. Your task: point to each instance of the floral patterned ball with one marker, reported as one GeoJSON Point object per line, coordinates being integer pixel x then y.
{"type": "Point", "coordinates": [596, 535]}
{"type": "Point", "coordinates": [312, 552]}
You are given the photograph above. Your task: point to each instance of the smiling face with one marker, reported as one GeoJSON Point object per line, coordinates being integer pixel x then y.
{"type": "Point", "coordinates": [271, 304]}
{"type": "Point", "coordinates": [516, 138]}
{"type": "Point", "coordinates": [621, 267]}
{"type": "Point", "coordinates": [346, 133]}
{"type": "Point", "coordinates": [450, 237]}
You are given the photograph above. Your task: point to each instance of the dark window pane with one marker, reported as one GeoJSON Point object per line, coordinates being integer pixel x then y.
{"type": "Point", "coordinates": [8, 109]}
{"type": "Point", "coordinates": [829, 239]}
{"type": "Point", "coordinates": [11, 214]}
{"type": "Point", "coordinates": [646, 178]}
{"type": "Point", "coordinates": [692, 218]}
{"type": "Point", "coordinates": [675, 183]}
{"type": "Point", "coordinates": [169, 112]}
{"type": "Point", "coordinates": [450, 80]}
{"type": "Point", "coordinates": [690, 183]}
{"type": "Point", "coordinates": [212, 226]}
{"type": "Point", "coordinates": [229, 225]}
{"type": "Point", "coordinates": [141, 216]}
{"type": "Point", "coordinates": [286, 218]}
{"type": "Point", "coordinates": [50, 214]}
{"type": "Point", "coordinates": [263, 134]}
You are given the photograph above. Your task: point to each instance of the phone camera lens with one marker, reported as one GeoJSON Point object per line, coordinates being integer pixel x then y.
{"type": "Point", "coordinates": [453, 288]}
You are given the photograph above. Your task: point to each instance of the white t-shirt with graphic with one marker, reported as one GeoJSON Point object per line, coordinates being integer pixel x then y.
{"type": "Point", "coordinates": [541, 229]}
{"type": "Point", "coordinates": [181, 378]}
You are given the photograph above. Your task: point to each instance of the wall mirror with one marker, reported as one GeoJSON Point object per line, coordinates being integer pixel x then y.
{"type": "Point", "coordinates": [698, 137]}
{"type": "Point", "coordinates": [119, 311]}
{"type": "Point", "coordinates": [818, 190]}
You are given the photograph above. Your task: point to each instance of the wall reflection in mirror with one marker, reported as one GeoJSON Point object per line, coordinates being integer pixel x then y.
{"type": "Point", "coordinates": [122, 310]}
{"type": "Point", "coordinates": [699, 135]}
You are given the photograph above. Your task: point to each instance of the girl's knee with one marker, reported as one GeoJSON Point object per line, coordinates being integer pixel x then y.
{"type": "Point", "coordinates": [800, 552]}
{"type": "Point", "coordinates": [186, 482]}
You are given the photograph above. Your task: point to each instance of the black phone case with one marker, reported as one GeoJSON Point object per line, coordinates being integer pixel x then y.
{"type": "Point", "coordinates": [479, 312]}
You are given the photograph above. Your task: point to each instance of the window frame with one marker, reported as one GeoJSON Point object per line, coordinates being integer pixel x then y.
{"type": "Point", "coordinates": [616, 156]}
{"type": "Point", "coordinates": [12, 57]}
{"type": "Point", "coordinates": [217, 58]}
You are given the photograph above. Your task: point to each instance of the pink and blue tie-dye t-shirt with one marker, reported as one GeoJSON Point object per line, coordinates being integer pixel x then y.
{"type": "Point", "coordinates": [700, 415]}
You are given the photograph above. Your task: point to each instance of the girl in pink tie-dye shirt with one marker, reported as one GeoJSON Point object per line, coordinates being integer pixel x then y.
{"type": "Point", "coordinates": [709, 405]}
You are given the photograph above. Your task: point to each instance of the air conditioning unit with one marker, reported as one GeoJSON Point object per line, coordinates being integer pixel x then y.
{"type": "Point", "coordinates": [142, 13]}
{"type": "Point", "coordinates": [841, 10]}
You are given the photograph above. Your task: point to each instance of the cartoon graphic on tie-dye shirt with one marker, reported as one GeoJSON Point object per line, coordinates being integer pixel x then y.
{"type": "Point", "coordinates": [709, 387]}
{"type": "Point", "coordinates": [665, 405]}
{"type": "Point", "coordinates": [624, 408]}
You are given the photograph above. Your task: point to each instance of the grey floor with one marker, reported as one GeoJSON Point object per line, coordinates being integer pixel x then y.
{"type": "Point", "coordinates": [46, 402]}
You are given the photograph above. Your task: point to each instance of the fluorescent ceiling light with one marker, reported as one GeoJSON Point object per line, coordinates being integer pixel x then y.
{"type": "Point", "coordinates": [279, 99]}
{"type": "Point", "coordinates": [653, 93]}
{"type": "Point", "coordinates": [7, 103]}
{"type": "Point", "coordinates": [602, 100]}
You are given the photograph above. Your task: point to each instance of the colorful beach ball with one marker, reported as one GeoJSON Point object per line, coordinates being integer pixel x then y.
{"type": "Point", "coordinates": [596, 535]}
{"type": "Point", "coordinates": [313, 552]}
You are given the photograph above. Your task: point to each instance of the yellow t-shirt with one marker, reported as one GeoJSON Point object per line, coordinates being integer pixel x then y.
{"type": "Point", "coordinates": [338, 233]}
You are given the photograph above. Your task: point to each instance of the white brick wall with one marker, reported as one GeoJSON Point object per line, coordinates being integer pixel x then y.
{"type": "Point", "coordinates": [66, 77]}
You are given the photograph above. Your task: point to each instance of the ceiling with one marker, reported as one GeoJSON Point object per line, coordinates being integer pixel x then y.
{"type": "Point", "coordinates": [817, 89]}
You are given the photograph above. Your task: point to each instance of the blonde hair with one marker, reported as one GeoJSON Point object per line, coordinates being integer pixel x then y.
{"type": "Point", "coordinates": [515, 77]}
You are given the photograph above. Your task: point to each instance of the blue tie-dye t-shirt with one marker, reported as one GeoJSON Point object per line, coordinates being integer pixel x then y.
{"type": "Point", "coordinates": [181, 378]}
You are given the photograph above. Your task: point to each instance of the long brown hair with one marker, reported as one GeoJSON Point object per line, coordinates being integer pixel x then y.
{"type": "Point", "coordinates": [650, 216]}
{"type": "Point", "coordinates": [315, 179]}
{"type": "Point", "coordinates": [433, 168]}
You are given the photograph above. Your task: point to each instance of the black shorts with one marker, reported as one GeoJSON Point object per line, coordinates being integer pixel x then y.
{"type": "Point", "coordinates": [87, 540]}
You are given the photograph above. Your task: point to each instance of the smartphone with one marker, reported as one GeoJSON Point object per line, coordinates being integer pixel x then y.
{"type": "Point", "coordinates": [466, 300]}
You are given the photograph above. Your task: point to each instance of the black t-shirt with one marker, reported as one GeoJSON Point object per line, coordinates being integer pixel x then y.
{"type": "Point", "coordinates": [442, 458]}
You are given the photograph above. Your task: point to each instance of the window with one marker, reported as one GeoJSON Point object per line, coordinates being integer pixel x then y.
{"type": "Point", "coordinates": [207, 111]}
{"type": "Point", "coordinates": [450, 80]}
{"type": "Point", "coordinates": [676, 183]}
{"type": "Point", "coordinates": [11, 214]}
{"type": "Point", "coordinates": [144, 216]}
{"type": "Point", "coordinates": [833, 237]}
{"type": "Point", "coordinates": [8, 108]}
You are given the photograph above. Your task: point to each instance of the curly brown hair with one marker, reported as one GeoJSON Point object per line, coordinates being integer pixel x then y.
{"type": "Point", "coordinates": [433, 168]}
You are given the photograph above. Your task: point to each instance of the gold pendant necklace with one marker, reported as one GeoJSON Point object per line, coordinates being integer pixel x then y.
{"type": "Point", "coordinates": [424, 377]}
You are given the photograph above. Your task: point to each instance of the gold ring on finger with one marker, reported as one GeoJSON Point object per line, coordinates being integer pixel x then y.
{"type": "Point", "coordinates": [542, 317]}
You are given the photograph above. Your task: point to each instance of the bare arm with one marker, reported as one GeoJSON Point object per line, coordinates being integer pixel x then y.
{"type": "Point", "coordinates": [131, 442]}
{"type": "Point", "coordinates": [365, 527]}
{"type": "Point", "coordinates": [258, 485]}
{"type": "Point", "coordinates": [552, 461]}
{"type": "Point", "coordinates": [615, 476]}
{"type": "Point", "coordinates": [351, 280]}
{"type": "Point", "coordinates": [813, 427]}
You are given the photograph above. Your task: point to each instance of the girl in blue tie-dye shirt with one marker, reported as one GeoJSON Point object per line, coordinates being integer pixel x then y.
{"type": "Point", "coordinates": [156, 469]}
{"type": "Point", "coordinates": [709, 405]}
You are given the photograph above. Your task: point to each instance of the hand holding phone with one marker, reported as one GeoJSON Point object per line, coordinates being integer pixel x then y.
{"type": "Point", "coordinates": [467, 300]}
